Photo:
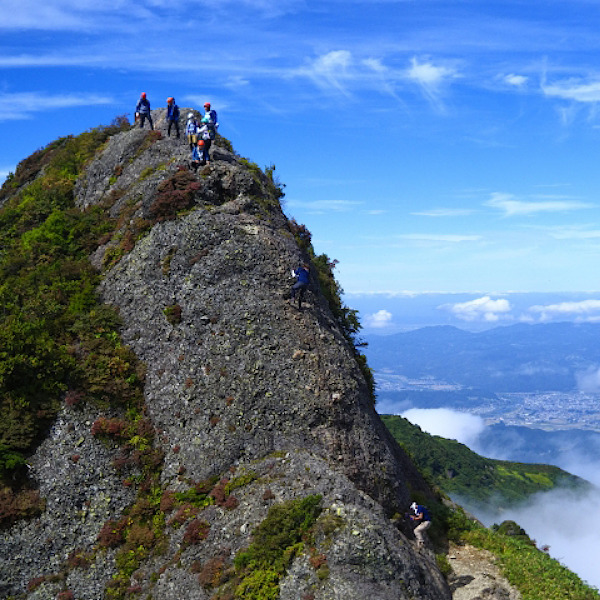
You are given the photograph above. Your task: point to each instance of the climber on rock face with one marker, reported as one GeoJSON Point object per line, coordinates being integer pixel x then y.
{"type": "Point", "coordinates": [423, 518]}
{"type": "Point", "coordinates": [172, 116]}
{"type": "Point", "coordinates": [197, 154]}
{"type": "Point", "coordinates": [302, 275]}
{"type": "Point", "coordinates": [142, 110]}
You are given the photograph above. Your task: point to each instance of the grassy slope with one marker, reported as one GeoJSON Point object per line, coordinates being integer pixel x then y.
{"type": "Point", "coordinates": [458, 471]}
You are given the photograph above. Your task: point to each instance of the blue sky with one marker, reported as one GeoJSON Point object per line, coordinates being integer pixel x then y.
{"type": "Point", "coordinates": [428, 145]}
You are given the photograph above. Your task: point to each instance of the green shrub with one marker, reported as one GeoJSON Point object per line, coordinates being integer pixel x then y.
{"type": "Point", "coordinates": [275, 543]}
{"type": "Point", "coordinates": [55, 341]}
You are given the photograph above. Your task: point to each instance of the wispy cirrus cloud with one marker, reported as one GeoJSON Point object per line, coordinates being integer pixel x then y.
{"type": "Point", "coordinates": [575, 233]}
{"type": "Point", "coordinates": [330, 70]}
{"type": "Point", "coordinates": [51, 59]}
{"type": "Point", "coordinates": [511, 206]}
{"type": "Point", "coordinates": [24, 105]}
{"type": "Point", "coordinates": [74, 15]}
{"type": "Point", "coordinates": [444, 212]}
{"type": "Point", "coordinates": [574, 89]}
{"type": "Point", "coordinates": [323, 206]}
{"type": "Point", "coordinates": [431, 79]}
{"type": "Point", "coordinates": [440, 237]}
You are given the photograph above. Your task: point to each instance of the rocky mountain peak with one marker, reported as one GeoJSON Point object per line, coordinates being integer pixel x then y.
{"type": "Point", "coordinates": [257, 409]}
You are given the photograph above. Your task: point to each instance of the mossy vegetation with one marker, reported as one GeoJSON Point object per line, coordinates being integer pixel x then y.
{"type": "Point", "coordinates": [275, 543]}
{"type": "Point", "coordinates": [56, 342]}
{"type": "Point", "coordinates": [257, 570]}
{"type": "Point", "coordinates": [455, 469]}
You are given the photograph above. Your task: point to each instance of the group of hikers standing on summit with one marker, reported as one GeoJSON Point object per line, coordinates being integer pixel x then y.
{"type": "Point", "coordinates": [200, 134]}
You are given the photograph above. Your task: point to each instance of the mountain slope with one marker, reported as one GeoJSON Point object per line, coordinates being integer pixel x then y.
{"type": "Point", "coordinates": [492, 485]}
{"type": "Point", "coordinates": [253, 463]}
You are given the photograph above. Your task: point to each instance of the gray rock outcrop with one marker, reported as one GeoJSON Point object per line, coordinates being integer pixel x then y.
{"type": "Point", "coordinates": [238, 382]}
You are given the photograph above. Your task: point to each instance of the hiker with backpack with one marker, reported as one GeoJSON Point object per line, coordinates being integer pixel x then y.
{"type": "Point", "coordinates": [198, 155]}
{"type": "Point", "coordinates": [423, 518]}
{"type": "Point", "coordinates": [191, 129]}
{"type": "Point", "coordinates": [210, 118]}
{"type": "Point", "coordinates": [172, 116]}
{"type": "Point", "coordinates": [142, 111]}
{"type": "Point", "coordinates": [302, 275]}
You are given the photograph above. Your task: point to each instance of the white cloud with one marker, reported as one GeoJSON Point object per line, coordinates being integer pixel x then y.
{"type": "Point", "coordinates": [576, 234]}
{"type": "Point", "coordinates": [375, 64]}
{"type": "Point", "coordinates": [574, 89]}
{"type": "Point", "coordinates": [63, 59]}
{"type": "Point", "coordinates": [439, 237]}
{"type": "Point", "coordinates": [321, 206]}
{"type": "Point", "coordinates": [515, 80]}
{"type": "Point", "coordinates": [585, 310]}
{"type": "Point", "coordinates": [429, 75]}
{"type": "Point", "coordinates": [379, 320]}
{"type": "Point", "coordinates": [330, 70]}
{"type": "Point", "coordinates": [589, 380]}
{"type": "Point", "coordinates": [444, 212]}
{"type": "Point", "coordinates": [72, 15]}
{"type": "Point", "coordinates": [481, 309]}
{"type": "Point", "coordinates": [23, 105]}
{"type": "Point", "coordinates": [430, 78]}
{"type": "Point", "coordinates": [512, 206]}
{"type": "Point", "coordinates": [573, 541]}
{"type": "Point", "coordinates": [30, 14]}
{"type": "Point", "coordinates": [462, 427]}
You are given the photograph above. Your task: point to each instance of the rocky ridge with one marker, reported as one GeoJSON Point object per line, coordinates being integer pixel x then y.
{"type": "Point", "coordinates": [240, 387]}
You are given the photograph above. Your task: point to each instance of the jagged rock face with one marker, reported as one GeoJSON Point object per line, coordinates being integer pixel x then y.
{"type": "Point", "coordinates": [237, 381]}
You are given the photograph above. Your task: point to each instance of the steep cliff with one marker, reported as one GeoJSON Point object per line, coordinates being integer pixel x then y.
{"type": "Point", "coordinates": [257, 422]}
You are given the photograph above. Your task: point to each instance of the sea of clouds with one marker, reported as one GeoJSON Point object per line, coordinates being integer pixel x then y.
{"type": "Point", "coordinates": [568, 523]}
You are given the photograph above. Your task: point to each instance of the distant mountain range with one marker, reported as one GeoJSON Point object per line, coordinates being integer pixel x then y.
{"type": "Point", "coordinates": [516, 358]}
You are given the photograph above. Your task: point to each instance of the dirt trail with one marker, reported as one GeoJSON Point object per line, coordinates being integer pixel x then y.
{"type": "Point", "coordinates": [476, 577]}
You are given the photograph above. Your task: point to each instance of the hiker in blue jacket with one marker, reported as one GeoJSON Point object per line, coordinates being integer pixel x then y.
{"type": "Point", "coordinates": [210, 118]}
{"type": "Point", "coordinates": [142, 110]}
{"type": "Point", "coordinates": [198, 159]}
{"type": "Point", "coordinates": [423, 518]}
{"type": "Point", "coordinates": [302, 275]}
{"type": "Point", "coordinates": [172, 116]}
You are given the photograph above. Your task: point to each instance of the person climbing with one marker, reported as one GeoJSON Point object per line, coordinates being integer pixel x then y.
{"type": "Point", "coordinates": [172, 116]}
{"type": "Point", "coordinates": [191, 128]}
{"type": "Point", "coordinates": [210, 118]}
{"type": "Point", "coordinates": [302, 275]}
{"type": "Point", "coordinates": [198, 155]}
{"type": "Point", "coordinates": [422, 516]}
{"type": "Point", "coordinates": [142, 109]}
